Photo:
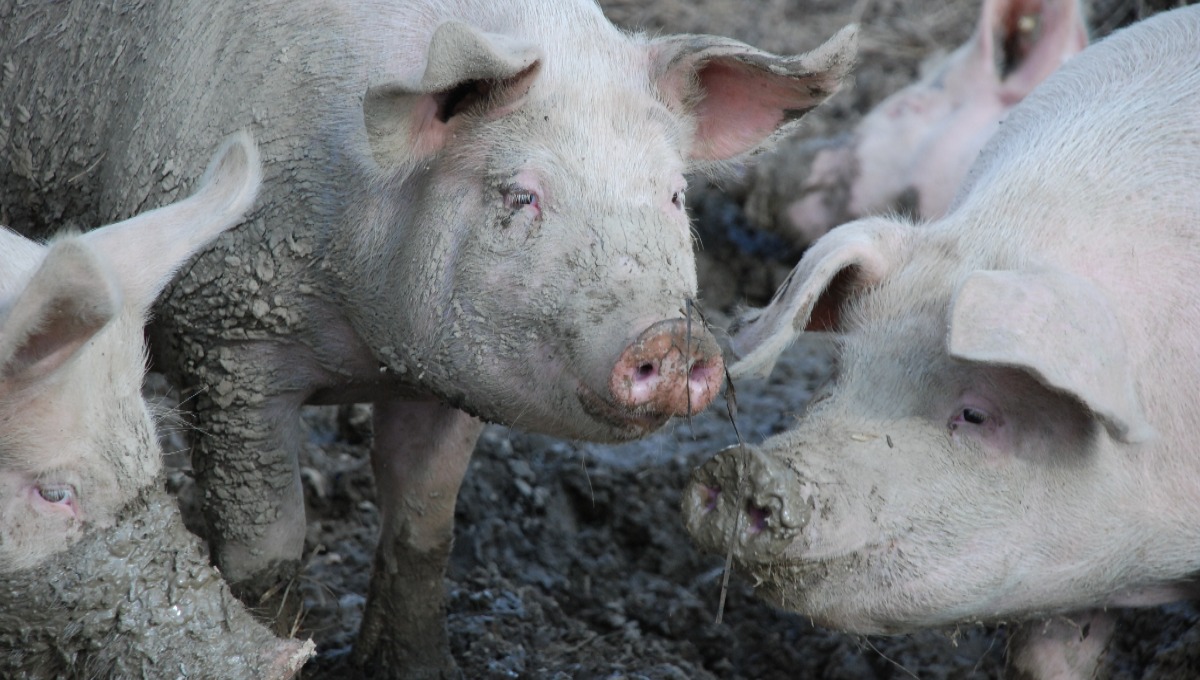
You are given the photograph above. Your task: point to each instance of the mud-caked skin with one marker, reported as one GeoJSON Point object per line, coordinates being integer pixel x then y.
{"type": "Point", "coordinates": [137, 599]}
{"type": "Point", "coordinates": [98, 576]}
{"type": "Point", "coordinates": [1011, 431]}
{"type": "Point", "coordinates": [471, 207]}
{"type": "Point", "coordinates": [910, 153]}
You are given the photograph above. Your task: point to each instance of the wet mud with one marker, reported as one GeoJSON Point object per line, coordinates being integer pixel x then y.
{"type": "Point", "coordinates": [137, 599]}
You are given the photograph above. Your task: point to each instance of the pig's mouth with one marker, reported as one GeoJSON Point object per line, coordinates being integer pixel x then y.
{"type": "Point", "coordinates": [623, 423]}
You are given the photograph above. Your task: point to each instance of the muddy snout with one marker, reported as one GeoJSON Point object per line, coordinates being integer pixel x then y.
{"type": "Point", "coordinates": [747, 502]}
{"type": "Point", "coordinates": [672, 369]}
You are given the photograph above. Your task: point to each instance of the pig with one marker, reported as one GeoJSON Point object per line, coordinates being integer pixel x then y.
{"type": "Point", "coordinates": [1011, 432]}
{"type": "Point", "coordinates": [98, 577]}
{"type": "Point", "coordinates": [911, 152]}
{"type": "Point", "coordinates": [471, 211]}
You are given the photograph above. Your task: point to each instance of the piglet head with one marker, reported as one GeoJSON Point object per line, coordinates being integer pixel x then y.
{"type": "Point", "coordinates": [911, 153]}
{"type": "Point", "coordinates": [76, 440]}
{"type": "Point", "coordinates": [914, 149]}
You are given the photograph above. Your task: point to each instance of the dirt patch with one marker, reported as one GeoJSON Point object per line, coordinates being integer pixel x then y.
{"type": "Point", "coordinates": [570, 559]}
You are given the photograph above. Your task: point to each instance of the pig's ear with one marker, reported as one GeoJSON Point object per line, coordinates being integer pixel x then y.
{"type": "Point", "coordinates": [1061, 330]}
{"type": "Point", "coordinates": [71, 297]}
{"type": "Point", "coordinates": [1027, 40]}
{"type": "Point", "coordinates": [743, 98]}
{"type": "Point", "coordinates": [466, 71]}
{"type": "Point", "coordinates": [145, 251]}
{"type": "Point", "coordinates": [848, 259]}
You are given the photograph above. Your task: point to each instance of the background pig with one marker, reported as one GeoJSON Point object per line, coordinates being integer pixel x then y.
{"type": "Point", "coordinates": [1010, 432]}
{"type": "Point", "coordinates": [911, 152]}
{"type": "Point", "coordinates": [471, 211]}
{"type": "Point", "coordinates": [98, 577]}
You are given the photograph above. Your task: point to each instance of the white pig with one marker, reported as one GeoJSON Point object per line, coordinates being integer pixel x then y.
{"type": "Point", "coordinates": [98, 577]}
{"type": "Point", "coordinates": [472, 210]}
{"type": "Point", "coordinates": [911, 152]}
{"type": "Point", "coordinates": [1012, 431]}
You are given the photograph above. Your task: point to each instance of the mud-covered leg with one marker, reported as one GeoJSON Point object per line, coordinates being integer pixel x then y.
{"type": "Point", "coordinates": [245, 456]}
{"type": "Point", "coordinates": [1062, 648]}
{"type": "Point", "coordinates": [421, 454]}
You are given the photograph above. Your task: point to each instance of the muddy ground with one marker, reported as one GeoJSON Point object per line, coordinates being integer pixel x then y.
{"type": "Point", "coordinates": [570, 559]}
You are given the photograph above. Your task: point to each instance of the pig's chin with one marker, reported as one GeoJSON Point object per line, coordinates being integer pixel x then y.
{"type": "Point", "coordinates": [866, 593]}
{"type": "Point", "coordinates": [595, 419]}
{"type": "Point", "coordinates": [615, 423]}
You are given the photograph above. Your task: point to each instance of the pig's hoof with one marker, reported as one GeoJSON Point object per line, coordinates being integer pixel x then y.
{"type": "Point", "coordinates": [431, 666]}
{"type": "Point", "coordinates": [739, 501]}
{"type": "Point", "coordinates": [273, 597]}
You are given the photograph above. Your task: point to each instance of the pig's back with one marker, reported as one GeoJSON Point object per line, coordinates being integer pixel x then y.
{"type": "Point", "coordinates": [1106, 153]}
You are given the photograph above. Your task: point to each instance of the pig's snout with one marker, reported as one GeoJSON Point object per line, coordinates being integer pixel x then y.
{"type": "Point", "coordinates": [747, 502]}
{"type": "Point", "coordinates": [672, 369]}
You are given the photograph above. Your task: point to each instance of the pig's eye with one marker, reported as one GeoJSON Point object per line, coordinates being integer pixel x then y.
{"type": "Point", "coordinates": [677, 199]}
{"type": "Point", "coordinates": [969, 415]}
{"type": "Point", "coordinates": [58, 494]}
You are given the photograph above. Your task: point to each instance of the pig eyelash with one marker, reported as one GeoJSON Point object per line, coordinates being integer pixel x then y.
{"type": "Point", "coordinates": [968, 415]}
{"type": "Point", "coordinates": [57, 494]}
{"type": "Point", "coordinates": [520, 199]}
{"type": "Point", "coordinates": [974, 416]}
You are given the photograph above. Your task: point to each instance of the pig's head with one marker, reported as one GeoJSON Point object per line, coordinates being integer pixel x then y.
{"type": "Point", "coordinates": [911, 153]}
{"type": "Point", "coordinates": [76, 440]}
{"type": "Point", "coordinates": [527, 254]}
{"type": "Point", "coordinates": [963, 465]}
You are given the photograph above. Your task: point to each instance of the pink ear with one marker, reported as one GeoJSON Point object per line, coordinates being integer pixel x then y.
{"type": "Point", "coordinates": [742, 97]}
{"type": "Point", "coordinates": [467, 70]}
{"type": "Point", "coordinates": [836, 268]}
{"type": "Point", "coordinates": [1027, 40]}
{"type": "Point", "coordinates": [71, 297]}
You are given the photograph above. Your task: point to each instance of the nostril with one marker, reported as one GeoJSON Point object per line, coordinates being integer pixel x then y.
{"type": "Point", "coordinates": [646, 371]}
{"type": "Point", "coordinates": [759, 517]}
{"type": "Point", "coordinates": [701, 371]}
{"type": "Point", "coordinates": [711, 494]}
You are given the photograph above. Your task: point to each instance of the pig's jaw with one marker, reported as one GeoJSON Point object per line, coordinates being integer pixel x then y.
{"type": "Point", "coordinates": [619, 423]}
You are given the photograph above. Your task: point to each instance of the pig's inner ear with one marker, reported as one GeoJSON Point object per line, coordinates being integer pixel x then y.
{"type": "Point", "coordinates": [70, 298]}
{"type": "Point", "coordinates": [740, 96]}
{"type": "Point", "coordinates": [1030, 41]}
{"type": "Point", "coordinates": [1061, 330]}
{"type": "Point", "coordinates": [467, 72]}
{"type": "Point", "coordinates": [848, 260]}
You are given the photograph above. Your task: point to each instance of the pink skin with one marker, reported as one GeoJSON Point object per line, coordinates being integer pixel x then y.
{"type": "Point", "coordinates": [55, 498]}
{"type": "Point", "coordinates": [980, 419]}
{"type": "Point", "coordinates": [54, 501]}
{"type": "Point", "coordinates": [920, 142]}
{"type": "Point", "coordinates": [934, 129]}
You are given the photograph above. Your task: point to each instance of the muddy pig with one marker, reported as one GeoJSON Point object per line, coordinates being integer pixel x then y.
{"type": "Point", "coordinates": [911, 152]}
{"type": "Point", "coordinates": [98, 577]}
{"type": "Point", "coordinates": [1011, 432]}
{"type": "Point", "coordinates": [471, 211]}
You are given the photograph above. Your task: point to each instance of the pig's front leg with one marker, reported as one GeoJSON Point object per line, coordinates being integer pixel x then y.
{"type": "Point", "coordinates": [1061, 648]}
{"type": "Point", "coordinates": [421, 454]}
{"type": "Point", "coordinates": [246, 462]}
